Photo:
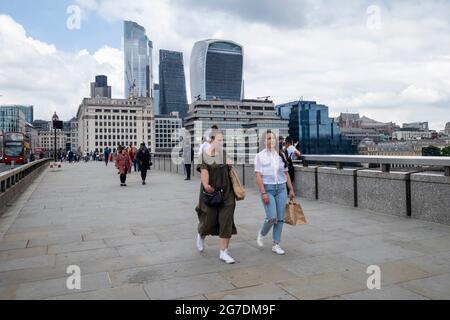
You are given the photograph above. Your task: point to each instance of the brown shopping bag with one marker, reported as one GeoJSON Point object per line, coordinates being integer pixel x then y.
{"type": "Point", "coordinates": [293, 215]}
{"type": "Point", "coordinates": [238, 188]}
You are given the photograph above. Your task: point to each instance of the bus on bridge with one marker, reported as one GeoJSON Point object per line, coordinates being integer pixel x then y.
{"type": "Point", "coordinates": [16, 148]}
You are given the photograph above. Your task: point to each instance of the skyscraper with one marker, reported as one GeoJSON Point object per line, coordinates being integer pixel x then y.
{"type": "Point", "coordinates": [100, 88]}
{"type": "Point", "coordinates": [138, 61]}
{"type": "Point", "coordinates": [318, 133]}
{"type": "Point", "coordinates": [27, 111]}
{"type": "Point", "coordinates": [12, 119]}
{"type": "Point", "coordinates": [156, 109]}
{"type": "Point", "coordinates": [217, 70]}
{"type": "Point", "coordinates": [172, 83]}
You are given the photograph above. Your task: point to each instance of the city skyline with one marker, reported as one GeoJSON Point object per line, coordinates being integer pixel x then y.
{"type": "Point", "coordinates": [338, 55]}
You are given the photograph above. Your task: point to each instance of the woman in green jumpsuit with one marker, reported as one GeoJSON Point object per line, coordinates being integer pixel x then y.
{"type": "Point", "coordinates": [214, 168]}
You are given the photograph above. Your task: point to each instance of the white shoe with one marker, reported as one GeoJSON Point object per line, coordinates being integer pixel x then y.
{"type": "Point", "coordinates": [200, 243]}
{"type": "Point", "coordinates": [260, 240]}
{"type": "Point", "coordinates": [224, 256]}
{"type": "Point", "coordinates": [277, 249]}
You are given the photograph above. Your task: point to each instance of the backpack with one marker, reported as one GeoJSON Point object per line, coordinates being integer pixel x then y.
{"type": "Point", "coordinates": [291, 168]}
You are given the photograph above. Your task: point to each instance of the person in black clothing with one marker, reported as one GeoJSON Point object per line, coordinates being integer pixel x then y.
{"type": "Point", "coordinates": [144, 158]}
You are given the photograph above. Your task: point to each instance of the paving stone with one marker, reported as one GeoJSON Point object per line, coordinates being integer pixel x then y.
{"type": "Point", "coordinates": [258, 293]}
{"type": "Point", "coordinates": [76, 246]}
{"type": "Point", "coordinates": [25, 263]}
{"type": "Point", "coordinates": [130, 292]}
{"type": "Point", "coordinates": [11, 245]}
{"type": "Point", "coordinates": [386, 293]}
{"type": "Point", "coordinates": [22, 253]}
{"type": "Point", "coordinates": [437, 287]}
{"type": "Point", "coordinates": [186, 286]}
{"type": "Point", "coordinates": [70, 258]}
{"type": "Point", "coordinates": [379, 255]}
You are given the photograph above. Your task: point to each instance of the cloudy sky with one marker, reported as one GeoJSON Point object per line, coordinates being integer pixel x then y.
{"type": "Point", "coordinates": [389, 60]}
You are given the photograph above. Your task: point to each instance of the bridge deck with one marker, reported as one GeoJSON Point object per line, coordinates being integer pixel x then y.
{"type": "Point", "coordinates": [138, 242]}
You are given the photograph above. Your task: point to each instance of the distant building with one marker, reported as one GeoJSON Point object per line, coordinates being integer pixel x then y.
{"type": "Point", "coordinates": [33, 135]}
{"type": "Point", "coordinates": [447, 128]}
{"type": "Point", "coordinates": [172, 83]}
{"type": "Point", "coordinates": [416, 126]}
{"type": "Point", "coordinates": [12, 119]}
{"type": "Point", "coordinates": [47, 141]}
{"type": "Point", "coordinates": [138, 61]}
{"type": "Point", "coordinates": [217, 70]}
{"type": "Point", "coordinates": [317, 133]}
{"type": "Point", "coordinates": [71, 135]}
{"type": "Point", "coordinates": [156, 109]}
{"type": "Point", "coordinates": [100, 88]}
{"type": "Point", "coordinates": [41, 125]}
{"type": "Point", "coordinates": [112, 122]}
{"type": "Point", "coordinates": [166, 131]}
{"type": "Point", "coordinates": [411, 135]}
{"type": "Point", "coordinates": [241, 117]}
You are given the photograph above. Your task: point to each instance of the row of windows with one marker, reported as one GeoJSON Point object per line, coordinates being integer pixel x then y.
{"type": "Point", "coordinates": [119, 124]}
{"type": "Point", "coordinates": [114, 136]}
{"type": "Point", "coordinates": [115, 110]}
{"type": "Point", "coordinates": [113, 130]}
{"type": "Point", "coordinates": [114, 117]}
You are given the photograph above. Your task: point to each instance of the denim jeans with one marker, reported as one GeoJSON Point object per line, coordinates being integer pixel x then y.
{"type": "Point", "coordinates": [275, 210]}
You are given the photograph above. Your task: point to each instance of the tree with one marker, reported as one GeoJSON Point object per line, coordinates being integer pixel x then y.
{"type": "Point", "coordinates": [431, 151]}
{"type": "Point", "coordinates": [446, 151]}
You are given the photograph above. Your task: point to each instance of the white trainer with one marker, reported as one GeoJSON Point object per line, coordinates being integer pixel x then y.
{"type": "Point", "coordinates": [260, 240]}
{"type": "Point", "coordinates": [277, 249]}
{"type": "Point", "coordinates": [224, 256]}
{"type": "Point", "coordinates": [200, 243]}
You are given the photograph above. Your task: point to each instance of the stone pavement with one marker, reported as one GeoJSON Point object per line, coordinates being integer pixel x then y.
{"type": "Point", "coordinates": [138, 242]}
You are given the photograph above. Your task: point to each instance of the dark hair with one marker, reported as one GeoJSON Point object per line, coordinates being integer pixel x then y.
{"type": "Point", "coordinates": [289, 140]}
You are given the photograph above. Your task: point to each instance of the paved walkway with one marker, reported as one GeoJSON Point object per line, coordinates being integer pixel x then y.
{"type": "Point", "coordinates": [138, 243]}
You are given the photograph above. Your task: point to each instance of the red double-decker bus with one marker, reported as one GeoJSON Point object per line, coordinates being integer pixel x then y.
{"type": "Point", "coordinates": [16, 148]}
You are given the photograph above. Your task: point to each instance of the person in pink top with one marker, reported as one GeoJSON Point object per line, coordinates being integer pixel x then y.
{"type": "Point", "coordinates": [123, 164]}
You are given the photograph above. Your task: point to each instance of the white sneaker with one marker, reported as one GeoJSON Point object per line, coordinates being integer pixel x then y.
{"type": "Point", "coordinates": [200, 243]}
{"type": "Point", "coordinates": [277, 249]}
{"type": "Point", "coordinates": [224, 256]}
{"type": "Point", "coordinates": [260, 240]}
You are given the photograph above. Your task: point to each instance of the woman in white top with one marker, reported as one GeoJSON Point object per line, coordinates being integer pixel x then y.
{"type": "Point", "coordinates": [273, 179]}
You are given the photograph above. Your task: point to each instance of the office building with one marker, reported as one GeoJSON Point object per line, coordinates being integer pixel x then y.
{"type": "Point", "coordinates": [112, 122]}
{"type": "Point", "coordinates": [317, 133]}
{"type": "Point", "coordinates": [216, 70]}
{"type": "Point", "coordinates": [41, 125]}
{"type": "Point", "coordinates": [100, 88]}
{"type": "Point", "coordinates": [137, 61]}
{"type": "Point", "coordinates": [156, 109]}
{"type": "Point", "coordinates": [172, 83]}
{"type": "Point", "coordinates": [416, 126]}
{"type": "Point", "coordinates": [167, 131]}
{"type": "Point", "coordinates": [12, 119]}
{"type": "Point", "coordinates": [28, 111]}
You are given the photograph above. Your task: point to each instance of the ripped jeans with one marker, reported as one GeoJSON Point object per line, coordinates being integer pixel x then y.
{"type": "Point", "coordinates": [275, 210]}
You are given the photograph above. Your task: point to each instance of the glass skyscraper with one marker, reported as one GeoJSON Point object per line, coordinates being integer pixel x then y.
{"type": "Point", "coordinates": [138, 61]}
{"type": "Point", "coordinates": [12, 119]}
{"type": "Point", "coordinates": [172, 83]}
{"type": "Point", "coordinates": [217, 70]}
{"type": "Point", "coordinates": [310, 124]}
{"type": "Point", "coordinates": [27, 111]}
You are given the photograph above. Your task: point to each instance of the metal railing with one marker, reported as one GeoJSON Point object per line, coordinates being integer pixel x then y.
{"type": "Point", "coordinates": [386, 162]}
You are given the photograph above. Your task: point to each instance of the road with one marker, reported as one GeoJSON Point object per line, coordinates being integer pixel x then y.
{"type": "Point", "coordinates": [4, 167]}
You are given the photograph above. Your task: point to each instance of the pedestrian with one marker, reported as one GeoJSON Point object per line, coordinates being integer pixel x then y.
{"type": "Point", "coordinates": [106, 155]}
{"type": "Point", "coordinates": [272, 178]}
{"type": "Point", "coordinates": [143, 157]}
{"type": "Point", "coordinates": [291, 154]}
{"type": "Point", "coordinates": [123, 164]}
{"type": "Point", "coordinates": [132, 154]}
{"type": "Point", "coordinates": [216, 220]}
{"type": "Point", "coordinates": [187, 159]}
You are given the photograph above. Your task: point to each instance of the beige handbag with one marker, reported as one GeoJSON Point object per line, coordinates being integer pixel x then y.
{"type": "Point", "coordinates": [293, 215]}
{"type": "Point", "coordinates": [238, 188]}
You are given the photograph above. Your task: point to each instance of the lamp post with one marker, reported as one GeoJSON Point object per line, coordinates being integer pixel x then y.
{"type": "Point", "coordinates": [55, 119]}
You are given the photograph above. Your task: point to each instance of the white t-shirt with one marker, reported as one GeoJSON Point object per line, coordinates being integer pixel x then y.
{"type": "Point", "coordinates": [291, 152]}
{"type": "Point", "coordinates": [271, 167]}
{"type": "Point", "coordinates": [204, 147]}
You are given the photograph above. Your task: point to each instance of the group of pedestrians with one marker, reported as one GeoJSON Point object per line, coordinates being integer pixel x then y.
{"type": "Point", "coordinates": [273, 178]}
{"type": "Point", "coordinates": [127, 157]}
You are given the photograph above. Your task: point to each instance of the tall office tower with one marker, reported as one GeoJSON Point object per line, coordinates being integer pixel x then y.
{"type": "Point", "coordinates": [100, 88]}
{"type": "Point", "coordinates": [156, 109]}
{"type": "Point", "coordinates": [27, 111]}
{"type": "Point", "coordinates": [138, 61]}
{"type": "Point", "coordinates": [12, 119]}
{"type": "Point", "coordinates": [172, 83]}
{"type": "Point", "coordinates": [217, 68]}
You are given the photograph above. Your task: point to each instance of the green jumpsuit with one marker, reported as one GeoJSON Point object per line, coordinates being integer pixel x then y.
{"type": "Point", "coordinates": [217, 221]}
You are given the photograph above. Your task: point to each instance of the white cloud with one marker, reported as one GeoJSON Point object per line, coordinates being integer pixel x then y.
{"type": "Point", "coordinates": [34, 72]}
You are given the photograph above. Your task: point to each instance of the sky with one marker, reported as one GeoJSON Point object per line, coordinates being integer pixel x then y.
{"type": "Point", "coordinates": [388, 60]}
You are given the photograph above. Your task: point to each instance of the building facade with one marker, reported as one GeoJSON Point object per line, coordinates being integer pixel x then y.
{"type": "Point", "coordinates": [167, 131]}
{"type": "Point", "coordinates": [217, 68]}
{"type": "Point", "coordinates": [12, 119]}
{"type": "Point", "coordinates": [242, 122]}
{"type": "Point", "coordinates": [112, 122]}
{"type": "Point", "coordinates": [317, 133]}
{"type": "Point", "coordinates": [41, 125]}
{"type": "Point", "coordinates": [138, 63]}
{"type": "Point", "coordinates": [411, 135]}
{"type": "Point", "coordinates": [172, 83]}
{"type": "Point", "coordinates": [100, 88]}
{"type": "Point", "coordinates": [156, 109]}
{"type": "Point", "coordinates": [28, 111]}
{"type": "Point", "coordinates": [47, 141]}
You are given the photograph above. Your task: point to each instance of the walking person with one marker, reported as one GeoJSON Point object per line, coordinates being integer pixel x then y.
{"type": "Point", "coordinates": [132, 154]}
{"type": "Point", "coordinates": [215, 177]}
{"type": "Point", "coordinates": [272, 178]}
{"type": "Point", "coordinates": [187, 159]}
{"type": "Point", "coordinates": [291, 154]}
{"type": "Point", "coordinates": [106, 155]}
{"type": "Point", "coordinates": [143, 157]}
{"type": "Point", "coordinates": [123, 164]}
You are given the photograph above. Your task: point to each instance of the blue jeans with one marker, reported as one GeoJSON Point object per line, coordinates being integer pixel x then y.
{"type": "Point", "coordinates": [275, 210]}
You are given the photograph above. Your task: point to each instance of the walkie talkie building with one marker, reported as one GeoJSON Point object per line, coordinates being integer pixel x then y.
{"type": "Point", "coordinates": [217, 70]}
